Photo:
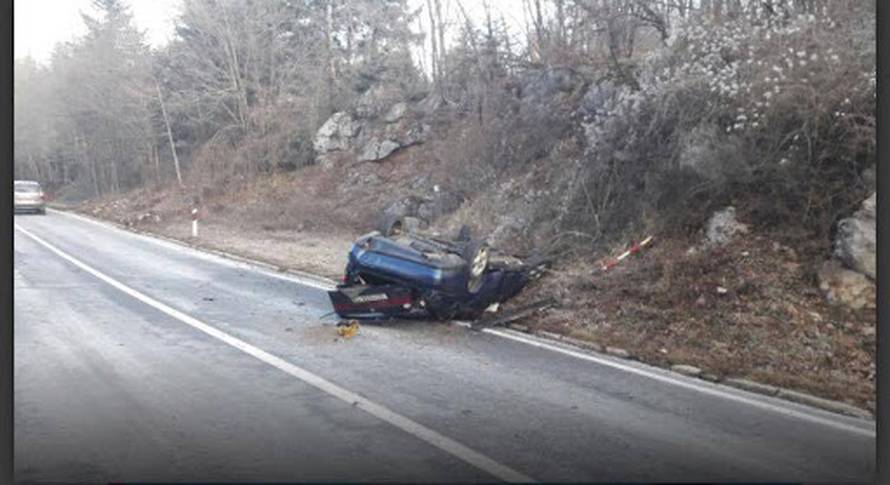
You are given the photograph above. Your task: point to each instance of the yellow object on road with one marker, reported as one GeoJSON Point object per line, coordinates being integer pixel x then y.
{"type": "Point", "coordinates": [348, 329]}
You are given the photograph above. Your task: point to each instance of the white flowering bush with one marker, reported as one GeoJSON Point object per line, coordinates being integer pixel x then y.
{"type": "Point", "coordinates": [780, 113]}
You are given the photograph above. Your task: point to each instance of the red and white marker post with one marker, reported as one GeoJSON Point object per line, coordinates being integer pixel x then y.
{"type": "Point", "coordinates": [194, 222]}
{"type": "Point", "coordinates": [635, 248]}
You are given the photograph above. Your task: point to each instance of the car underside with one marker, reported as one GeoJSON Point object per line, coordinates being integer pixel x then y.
{"type": "Point", "coordinates": [393, 273]}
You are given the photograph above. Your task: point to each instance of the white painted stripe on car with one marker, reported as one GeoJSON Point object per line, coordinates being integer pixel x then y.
{"type": "Point", "coordinates": [709, 389]}
{"type": "Point", "coordinates": [403, 423]}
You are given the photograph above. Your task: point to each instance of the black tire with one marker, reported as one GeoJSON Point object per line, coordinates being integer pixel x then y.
{"type": "Point", "coordinates": [442, 314]}
{"type": "Point", "coordinates": [437, 307]}
{"type": "Point", "coordinates": [391, 225]}
{"type": "Point", "coordinates": [476, 254]}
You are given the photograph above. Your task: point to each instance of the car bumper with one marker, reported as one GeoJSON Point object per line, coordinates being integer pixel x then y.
{"type": "Point", "coordinates": [372, 302]}
{"type": "Point", "coordinates": [29, 206]}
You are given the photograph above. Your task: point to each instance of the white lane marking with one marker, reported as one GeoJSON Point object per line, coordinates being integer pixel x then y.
{"type": "Point", "coordinates": [413, 428]}
{"type": "Point", "coordinates": [731, 394]}
{"type": "Point", "coordinates": [320, 283]}
{"type": "Point", "coordinates": [713, 391]}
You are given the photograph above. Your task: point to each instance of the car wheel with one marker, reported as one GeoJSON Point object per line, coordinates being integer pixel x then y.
{"type": "Point", "coordinates": [390, 225]}
{"type": "Point", "coordinates": [476, 254]}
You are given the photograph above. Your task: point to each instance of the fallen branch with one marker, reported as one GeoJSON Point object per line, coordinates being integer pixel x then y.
{"type": "Point", "coordinates": [514, 315]}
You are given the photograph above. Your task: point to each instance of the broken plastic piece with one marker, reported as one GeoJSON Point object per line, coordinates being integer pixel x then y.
{"type": "Point", "coordinates": [347, 329]}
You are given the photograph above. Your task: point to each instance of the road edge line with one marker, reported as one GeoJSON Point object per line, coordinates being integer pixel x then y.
{"type": "Point", "coordinates": [782, 406]}
{"type": "Point", "coordinates": [430, 436]}
{"type": "Point", "coordinates": [274, 271]}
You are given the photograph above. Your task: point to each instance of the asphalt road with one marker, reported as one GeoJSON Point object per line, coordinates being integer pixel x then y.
{"type": "Point", "coordinates": [138, 360]}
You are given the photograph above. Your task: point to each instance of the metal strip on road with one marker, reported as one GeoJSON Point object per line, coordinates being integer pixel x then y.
{"type": "Point", "coordinates": [688, 384]}
{"type": "Point", "coordinates": [405, 424]}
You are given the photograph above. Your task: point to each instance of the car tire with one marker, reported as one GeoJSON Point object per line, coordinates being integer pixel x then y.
{"type": "Point", "coordinates": [476, 254]}
{"type": "Point", "coordinates": [391, 225]}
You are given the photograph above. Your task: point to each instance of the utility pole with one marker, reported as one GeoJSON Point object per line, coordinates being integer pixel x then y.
{"type": "Point", "coordinates": [169, 134]}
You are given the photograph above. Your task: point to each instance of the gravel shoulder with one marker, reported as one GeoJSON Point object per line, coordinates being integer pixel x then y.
{"type": "Point", "coordinates": [320, 254]}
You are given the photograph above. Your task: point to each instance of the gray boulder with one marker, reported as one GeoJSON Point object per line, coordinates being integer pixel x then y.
{"type": "Point", "coordinates": [723, 226]}
{"type": "Point", "coordinates": [336, 134]}
{"type": "Point", "coordinates": [855, 244]}
{"type": "Point", "coordinates": [404, 133]}
{"type": "Point", "coordinates": [378, 149]}
{"type": "Point", "coordinates": [396, 112]}
{"type": "Point", "coordinates": [374, 102]}
{"type": "Point", "coordinates": [846, 287]}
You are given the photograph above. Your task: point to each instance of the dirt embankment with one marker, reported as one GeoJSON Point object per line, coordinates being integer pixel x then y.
{"type": "Point", "coordinates": [750, 308]}
{"type": "Point", "coordinates": [257, 221]}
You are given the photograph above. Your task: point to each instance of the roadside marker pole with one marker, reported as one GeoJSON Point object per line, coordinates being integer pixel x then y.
{"type": "Point", "coordinates": [195, 222]}
{"type": "Point", "coordinates": [635, 248]}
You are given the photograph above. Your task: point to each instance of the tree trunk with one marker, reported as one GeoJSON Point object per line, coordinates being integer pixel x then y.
{"type": "Point", "coordinates": [82, 144]}
{"type": "Point", "coordinates": [560, 23]}
{"type": "Point", "coordinates": [157, 162]}
{"type": "Point", "coordinates": [434, 57]}
{"type": "Point", "coordinates": [440, 22]}
{"type": "Point", "coordinates": [329, 29]}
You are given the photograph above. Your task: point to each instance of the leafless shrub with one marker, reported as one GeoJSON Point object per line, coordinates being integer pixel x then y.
{"type": "Point", "coordinates": [780, 116]}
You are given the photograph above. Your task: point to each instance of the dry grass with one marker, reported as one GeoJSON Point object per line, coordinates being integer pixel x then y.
{"type": "Point", "coordinates": [771, 324]}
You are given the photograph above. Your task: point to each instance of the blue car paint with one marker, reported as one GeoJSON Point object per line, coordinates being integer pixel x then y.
{"type": "Point", "coordinates": [393, 261]}
{"type": "Point", "coordinates": [442, 282]}
{"type": "Point", "coordinates": [406, 269]}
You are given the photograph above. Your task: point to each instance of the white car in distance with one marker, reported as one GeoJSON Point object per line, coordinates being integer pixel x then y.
{"type": "Point", "coordinates": [29, 197]}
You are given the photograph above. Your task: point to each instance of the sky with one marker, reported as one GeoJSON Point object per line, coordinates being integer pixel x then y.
{"type": "Point", "coordinates": [40, 24]}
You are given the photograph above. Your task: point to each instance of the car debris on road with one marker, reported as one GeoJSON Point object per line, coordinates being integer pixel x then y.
{"type": "Point", "coordinates": [393, 272]}
{"type": "Point", "coordinates": [347, 329]}
{"type": "Point", "coordinates": [513, 315]}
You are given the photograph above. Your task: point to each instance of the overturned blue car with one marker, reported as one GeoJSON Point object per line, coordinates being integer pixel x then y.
{"type": "Point", "coordinates": [394, 272]}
